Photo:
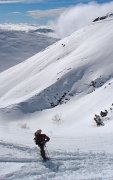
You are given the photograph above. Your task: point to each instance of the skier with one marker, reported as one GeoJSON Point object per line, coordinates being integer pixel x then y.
{"type": "Point", "coordinates": [40, 140]}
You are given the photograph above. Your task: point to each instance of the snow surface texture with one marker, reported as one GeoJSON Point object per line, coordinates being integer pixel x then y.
{"type": "Point", "coordinates": [59, 90]}
{"type": "Point", "coordinates": [19, 42]}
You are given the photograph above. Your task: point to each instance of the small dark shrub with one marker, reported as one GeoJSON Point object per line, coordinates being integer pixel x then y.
{"type": "Point", "coordinates": [103, 113]}
{"type": "Point", "coordinates": [98, 120]}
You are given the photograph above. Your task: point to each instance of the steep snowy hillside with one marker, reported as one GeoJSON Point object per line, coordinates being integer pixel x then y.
{"type": "Point", "coordinates": [72, 67]}
{"type": "Point", "coordinates": [60, 90]}
{"type": "Point", "coordinates": [19, 42]}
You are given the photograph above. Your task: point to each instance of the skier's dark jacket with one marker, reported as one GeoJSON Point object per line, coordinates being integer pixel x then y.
{"type": "Point", "coordinates": [41, 138]}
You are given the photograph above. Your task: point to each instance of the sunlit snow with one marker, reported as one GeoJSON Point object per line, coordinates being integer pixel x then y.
{"type": "Point", "coordinates": [73, 80]}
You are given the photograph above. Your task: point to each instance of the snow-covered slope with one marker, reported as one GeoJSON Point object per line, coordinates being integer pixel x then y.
{"type": "Point", "coordinates": [20, 41]}
{"type": "Point", "coordinates": [67, 69]}
{"type": "Point", "coordinates": [60, 90]}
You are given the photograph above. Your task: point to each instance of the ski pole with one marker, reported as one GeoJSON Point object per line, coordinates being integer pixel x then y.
{"type": "Point", "coordinates": [47, 152]}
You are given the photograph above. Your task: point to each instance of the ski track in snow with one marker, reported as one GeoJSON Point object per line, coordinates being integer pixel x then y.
{"type": "Point", "coordinates": [24, 162]}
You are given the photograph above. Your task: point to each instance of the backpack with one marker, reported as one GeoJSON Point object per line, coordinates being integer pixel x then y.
{"type": "Point", "coordinates": [38, 139]}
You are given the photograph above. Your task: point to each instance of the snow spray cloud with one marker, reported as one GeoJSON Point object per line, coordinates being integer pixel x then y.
{"type": "Point", "coordinates": [79, 16]}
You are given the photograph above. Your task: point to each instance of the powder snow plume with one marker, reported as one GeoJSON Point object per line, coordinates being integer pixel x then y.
{"type": "Point", "coordinates": [79, 16]}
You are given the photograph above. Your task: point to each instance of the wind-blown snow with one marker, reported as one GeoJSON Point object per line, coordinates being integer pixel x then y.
{"type": "Point", "coordinates": [72, 79]}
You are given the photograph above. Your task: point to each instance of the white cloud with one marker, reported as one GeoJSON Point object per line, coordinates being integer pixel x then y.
{"type": "Point", "coordinates": [79, 16]}
{"type": "Point", "coordinates": [16, 13]}
{"type": "Point", "coordinates": [46, 13]}
{"type": "Point", "coordinates": [8, 1]}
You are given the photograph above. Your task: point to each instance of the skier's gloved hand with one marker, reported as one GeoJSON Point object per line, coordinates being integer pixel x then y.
{"type": "Point", "coordinates": [48, 139]}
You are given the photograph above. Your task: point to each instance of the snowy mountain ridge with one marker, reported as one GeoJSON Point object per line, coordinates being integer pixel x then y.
{"type": "Point", "coordinates": [107, 16]}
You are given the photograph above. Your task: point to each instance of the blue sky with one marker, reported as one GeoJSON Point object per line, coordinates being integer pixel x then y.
{"type": "Point", "coordinates": [36, 11]}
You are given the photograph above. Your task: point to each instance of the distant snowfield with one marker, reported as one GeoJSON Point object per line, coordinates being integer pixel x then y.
{"type": "Point", "coordinates": [73, 79]}
{"type": "Point", "coordinates": [21, 41]}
